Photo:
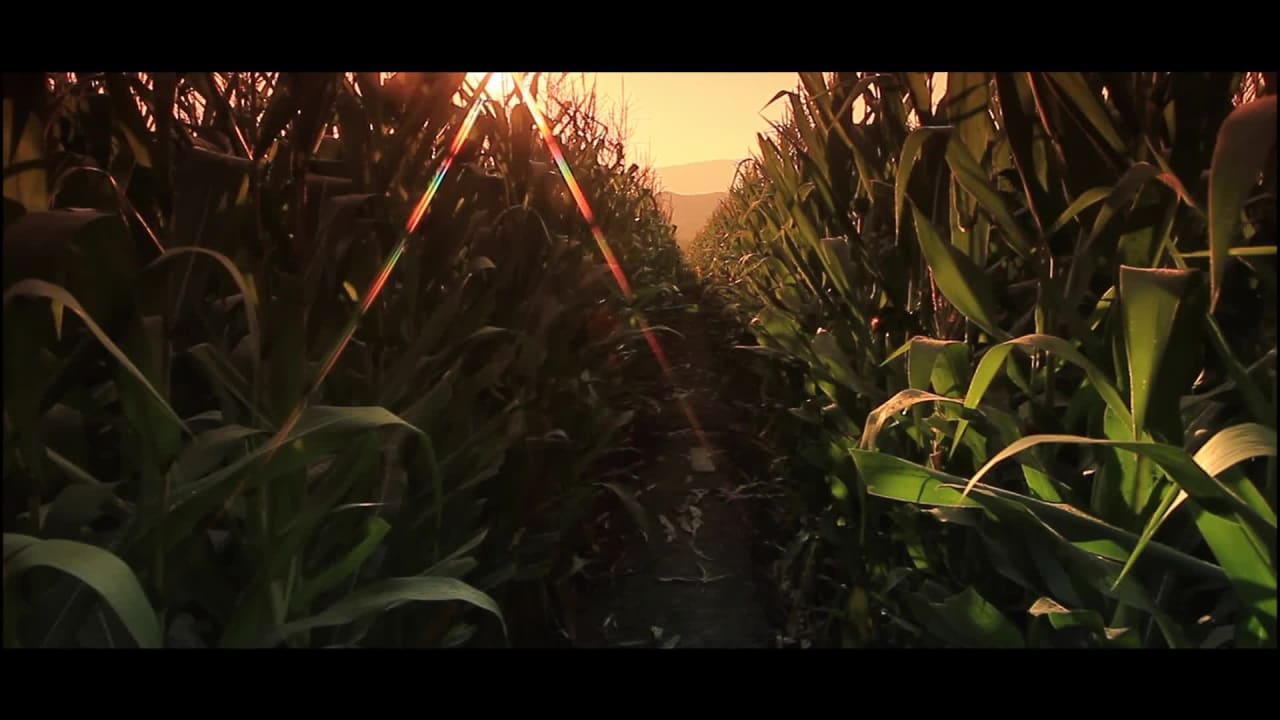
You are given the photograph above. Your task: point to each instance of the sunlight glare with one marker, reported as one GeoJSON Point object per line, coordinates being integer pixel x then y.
{"type": "Point", "coordinates": [500, 84]}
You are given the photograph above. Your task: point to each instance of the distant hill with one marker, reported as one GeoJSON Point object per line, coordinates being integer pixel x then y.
{"type": "Point", "coordinates": [690, 212]}
{"type": "Point", "coordinates": [697, 178]}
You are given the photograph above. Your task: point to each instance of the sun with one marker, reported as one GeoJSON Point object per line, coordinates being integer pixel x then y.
{"type": "Point", "coordinates": [500, 84]}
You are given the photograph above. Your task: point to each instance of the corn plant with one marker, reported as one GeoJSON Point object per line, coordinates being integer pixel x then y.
{"type": "Point", "coordinates": [1033, 332]}
{"type": "Point", "coordinates": [183, 254]}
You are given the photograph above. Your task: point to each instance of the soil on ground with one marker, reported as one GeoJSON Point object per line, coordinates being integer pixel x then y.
{"type": "Point", "coordinates": [696, 576]}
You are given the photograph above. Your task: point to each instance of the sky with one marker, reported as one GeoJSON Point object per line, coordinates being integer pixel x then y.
{"type": "Point", "coordinates": [677, 119]}
{"type": "Point", "coordinates": [680, 118]}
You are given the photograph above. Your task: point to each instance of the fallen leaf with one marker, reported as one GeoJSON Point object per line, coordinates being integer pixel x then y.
{"type": "Point", "coordinates": [670, 529]}
{"type": "Point", "coordinates": [700, 460]}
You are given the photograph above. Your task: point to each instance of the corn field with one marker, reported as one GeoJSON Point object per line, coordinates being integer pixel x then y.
{"type": "Point", "coordinates": [348, 360]}
{"type": "Point", "coordinates": [1026, 338]}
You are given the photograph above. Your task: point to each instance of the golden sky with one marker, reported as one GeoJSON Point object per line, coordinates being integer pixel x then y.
{"type": "Point", "coordinates": [679, 118]}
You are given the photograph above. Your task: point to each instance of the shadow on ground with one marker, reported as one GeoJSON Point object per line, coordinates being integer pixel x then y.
{"type": "Point", "coordinates": [697, 577]}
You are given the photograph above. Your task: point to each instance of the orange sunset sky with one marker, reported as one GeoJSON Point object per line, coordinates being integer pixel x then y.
{"type": "Point", "coordinates": [679, 118]}
{"type": "Point", "coordinates": [683, 118]}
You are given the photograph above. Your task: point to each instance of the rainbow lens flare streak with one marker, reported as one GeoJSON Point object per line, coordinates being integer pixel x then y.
{"type": "Point", "coordinates": [584, 207]}
{"type": "Point", "coordinates": [379, 282]}
{"type": "Point", "coordinates": [415, 218]}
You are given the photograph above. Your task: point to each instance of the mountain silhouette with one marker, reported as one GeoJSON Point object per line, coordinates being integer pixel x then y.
{"type": "Point", "coordinates": [697, 178]}
{"type": "Point", "coordinates": [691, 192]}
{"type": "Point", "coordinates": [689, 212]}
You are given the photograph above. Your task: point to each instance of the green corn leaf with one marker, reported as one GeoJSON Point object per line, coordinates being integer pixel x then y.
{"type": "Point", "coordinates": [106, 573]}
{"type": "Point", "coordinates": [962, 282]}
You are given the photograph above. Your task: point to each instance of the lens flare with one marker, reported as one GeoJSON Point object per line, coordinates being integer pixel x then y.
{"type": "Point", "coordinates": [376, 287]}
{"type": "Point", "coordinates": [488, 84]}
{"type": "Point", "coordinates": [584, 207]}
{"type": "Point", "coordinates": [497, 85]}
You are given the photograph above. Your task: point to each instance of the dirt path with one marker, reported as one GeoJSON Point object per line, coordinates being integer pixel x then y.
{"type": "Point", "coordinates": [693, 582]}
